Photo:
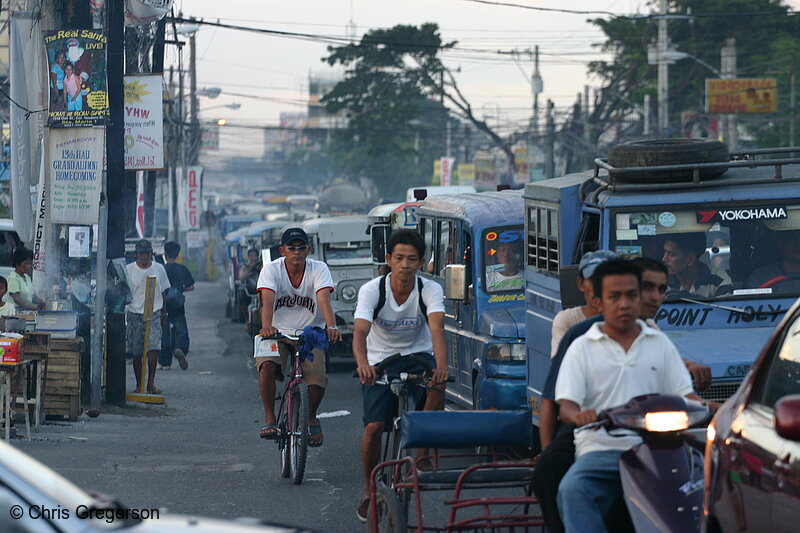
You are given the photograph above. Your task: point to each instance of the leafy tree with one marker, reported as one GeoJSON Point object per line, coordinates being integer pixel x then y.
{"type": "Point", "coordinates": [767, 40]}
{"type": "Point", "coordinates": [394, 91]}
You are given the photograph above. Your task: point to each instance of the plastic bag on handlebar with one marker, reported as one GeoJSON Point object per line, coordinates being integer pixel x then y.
{"type": "Point", "coordinates": [313, 337]}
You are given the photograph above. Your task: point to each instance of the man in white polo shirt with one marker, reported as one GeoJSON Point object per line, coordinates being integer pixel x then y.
{"type": "Point", "coordinates": [408, 319]}
{"type": "Point", "coordinates": [617, 359]}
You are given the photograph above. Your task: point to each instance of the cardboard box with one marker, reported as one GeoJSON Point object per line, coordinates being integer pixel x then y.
{"type": "Point", "coordinates": [11, 347]}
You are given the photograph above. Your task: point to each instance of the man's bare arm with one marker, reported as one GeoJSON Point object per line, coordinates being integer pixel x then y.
{"type": "Point", "coordinates": [366, 372]}
{"type": "Point", "coordinates": [436, 325]}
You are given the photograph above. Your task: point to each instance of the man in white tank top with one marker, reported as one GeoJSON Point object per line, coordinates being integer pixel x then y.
{"type": "Point", "coordinates": [295, 293]}
{"type": "Point", "coordinates": [398, 327]}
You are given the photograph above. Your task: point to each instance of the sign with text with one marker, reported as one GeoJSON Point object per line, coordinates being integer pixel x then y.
{"type": "Point", "coordinates": [209, 138]}
{"type": "Point", "coordinates": [196, 238]}
{"type": "Point", "coordinates": [76, 61]}
{"type": "Point", "coordinates": [446, 166]}
{"type": "Point", "coordinates": [466, 174]}
{"type": "Point", "coordinates": [144, 123]}
{"type": "Point", "coordinates": [755, 95]}
{"type": "Point", "coordinates": [189, 197]}
{"type": "Point", "coordinates": [75, 165]}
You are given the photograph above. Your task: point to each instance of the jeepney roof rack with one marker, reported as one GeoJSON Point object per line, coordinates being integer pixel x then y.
{"type": "Point", "coordinates": [614, 179]}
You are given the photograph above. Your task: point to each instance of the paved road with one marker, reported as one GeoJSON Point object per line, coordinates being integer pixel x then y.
{"type": "Point", "coordinates": [200, 454]}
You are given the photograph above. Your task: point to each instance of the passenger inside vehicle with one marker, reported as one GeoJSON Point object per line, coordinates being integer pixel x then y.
{"type": "Point", "coordinates": [688, 275]}
{"type": "Point", "coordinates": [782, 276]}
{"type": "Point", "coordinates": [506, 271]}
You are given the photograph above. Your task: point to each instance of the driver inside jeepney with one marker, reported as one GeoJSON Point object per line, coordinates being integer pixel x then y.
{"type": "Point", "coordinates": [688, 275]}
{"type": "Point", "coordinates": [506, 273]}
{"type": "Point", "coordinates": [782, 276]}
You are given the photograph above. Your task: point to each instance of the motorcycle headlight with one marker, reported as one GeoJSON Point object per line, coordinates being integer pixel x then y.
{"type": "Point", "coordinates": [663, 421]}
{"type": "Point", "coordinates": [506, 352]}
{"type": "Point", "coordinates": [349, 293]}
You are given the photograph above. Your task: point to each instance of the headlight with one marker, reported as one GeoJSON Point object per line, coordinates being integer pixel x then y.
{"type": "Point", "coordinates": [349, 293]}
{"type": "Point", "coordinates": [711, 433]}
{"type": "Point", "coordinates": [666, 421]}
{"type": "Point", "coordinates": [506, 352]}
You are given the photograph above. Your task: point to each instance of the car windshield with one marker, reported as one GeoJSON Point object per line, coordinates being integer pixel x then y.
{"type": "Point", "coordinates": [502, 259]}
{"type": "Point", "coordinates": [717, 252]}
{"type": "Point", "coordinates": [347, 252]}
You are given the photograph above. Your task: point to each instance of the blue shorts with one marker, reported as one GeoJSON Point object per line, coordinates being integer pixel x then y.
{"type": "Point", "coordinates": [380, 403]}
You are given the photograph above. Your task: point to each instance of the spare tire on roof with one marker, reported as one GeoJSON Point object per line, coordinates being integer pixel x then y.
{"type": "Point", "coordinates": [660, 152]}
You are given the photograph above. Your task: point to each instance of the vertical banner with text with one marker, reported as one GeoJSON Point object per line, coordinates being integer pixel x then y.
{"type": "Point", "coordinates": [447, 164]}
{"type": "Point", "coordinates": [76, 174]}
{"type": "Point", "coordinates": [144, 123]}
{"type": "Point", "coordinates": [76, 66]}
{"type": "Point", "coordinates": [190, 185]}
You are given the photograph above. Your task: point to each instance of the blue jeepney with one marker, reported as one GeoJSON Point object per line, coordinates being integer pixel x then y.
{"type": "Point", "coordinates": [743, 224]}
{"type": "Point", "coordinates": [481, 235]}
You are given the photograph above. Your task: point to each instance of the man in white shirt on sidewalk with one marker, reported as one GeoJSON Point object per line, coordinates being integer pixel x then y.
{"type": "Point", "coordinates": [616, 360]}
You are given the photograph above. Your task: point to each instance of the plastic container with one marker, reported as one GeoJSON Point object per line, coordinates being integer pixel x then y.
{"type": "Point", "coordinates": [59, 324]}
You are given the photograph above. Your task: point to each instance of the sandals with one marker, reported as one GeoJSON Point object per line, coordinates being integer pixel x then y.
{"type": "Point", "coordinates": [269, 431]}
{"type": "Point", "coordinates": [363, 509]}
{"type": "Point", "coordinates": [152, 389]}
{"type": "Point", "coordinates": [315, 431]}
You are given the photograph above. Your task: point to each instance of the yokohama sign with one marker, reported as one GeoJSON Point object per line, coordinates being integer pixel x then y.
{"type": "Point", "coordinates": [749, 213]}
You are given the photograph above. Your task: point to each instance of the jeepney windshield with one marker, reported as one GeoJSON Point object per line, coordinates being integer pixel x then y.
{"type": "Point", "coordinates": [343, 253]}
{"type": "Point", "coordinates": [502, 259]}
{"type": "Point", "coordinates": [717, 252]}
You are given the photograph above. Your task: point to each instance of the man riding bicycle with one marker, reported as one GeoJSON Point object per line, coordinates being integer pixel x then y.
{"type": "Point", "coordinates": [405, 315]}
{"type": "Point", "coordinates": [295, 292]}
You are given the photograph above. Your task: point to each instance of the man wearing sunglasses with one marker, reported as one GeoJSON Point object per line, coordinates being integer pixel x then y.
{"type": "Point", "coordinates": [295, 293]}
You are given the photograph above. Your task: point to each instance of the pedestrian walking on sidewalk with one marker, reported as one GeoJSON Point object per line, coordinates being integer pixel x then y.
{"type": "Point", "coordinates": [175, 340]}
{"type": "Point", "coordinates": [134, 314]}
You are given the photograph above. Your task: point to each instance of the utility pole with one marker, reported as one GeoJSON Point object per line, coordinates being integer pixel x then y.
{"type": "Point", "coordinates": [549, 162]}
{"type": "Point", "coordinates": [115, 197]}
{"type": "Point", "coordinates": [663, 72]}
{"type": "Point", "coordinates": [194, 131]}
{"type": "Point", "coordinates": [537, 86]}
{"type": "Point", "coordinates": [728, 64]}
{"type": "Point", "coordinates": [792, 81]}
{"type": "Point", "coordinates": [646, 117]}
{"type": "Point", "coordinates": [151, 176]}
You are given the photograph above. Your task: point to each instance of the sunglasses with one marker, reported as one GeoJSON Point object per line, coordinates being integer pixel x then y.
{"type": "Point", "coordinates": [301, 248]}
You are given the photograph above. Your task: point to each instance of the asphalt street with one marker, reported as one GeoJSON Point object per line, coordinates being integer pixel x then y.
{"type": "Point", "coordinates": [200, 454]}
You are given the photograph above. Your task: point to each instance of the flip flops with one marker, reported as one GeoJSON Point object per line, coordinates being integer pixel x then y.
{"type": "Point", "coordinates": [313, 431]}
{"type": "Point", "coordinates": [269, 431]}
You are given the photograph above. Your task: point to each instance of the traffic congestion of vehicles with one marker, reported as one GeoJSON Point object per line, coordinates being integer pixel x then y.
{"type": "Point", "coordinates": [507, 263]}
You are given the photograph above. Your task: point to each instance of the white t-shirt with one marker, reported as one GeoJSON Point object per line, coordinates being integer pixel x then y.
{"type": "Point", "coordinates": [398, 328]}
{"type": "Point", "coordinates": [137, 281]}
{"type": "Point", "coordinates": [295, 307]}
{"type": "Point", "coordinates": [497, 281]}
{"type": "Point", "coordinates": [597, 374]}
{"type": "Point", "coordinates": [564, 320]}
{"type": "Point", "coordinates": [7, 309]}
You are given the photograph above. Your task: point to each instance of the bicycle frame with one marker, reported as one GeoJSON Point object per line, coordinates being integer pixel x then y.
{"type": "Point", "coordinates": [291, 385]}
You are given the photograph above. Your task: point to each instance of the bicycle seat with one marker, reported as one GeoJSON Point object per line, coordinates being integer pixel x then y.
{"type": "Point", "coordinates": [448, 429]}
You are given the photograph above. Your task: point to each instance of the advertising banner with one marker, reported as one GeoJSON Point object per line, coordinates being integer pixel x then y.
{"type": "Point", "coordinates": [76, 61]}
{"type": "Point", "coordinates": [466, 174]}
{"type": "Point", "coordinates": [209, 138]}
{"type": "Point", "coordinates": [140, 205]}
{"type": "Point", "coordinates": [189, 197]}
{"type": "Point", "coordinates": [75, 165]}
{"type": "Point", "coordinates": [26, 130]}
{"type": "Point", "coordinates": [742, 96]}
{"type": "Point", "coordinates": [447, 164]}
{"type": "Point", "coordinates": [144, 123]}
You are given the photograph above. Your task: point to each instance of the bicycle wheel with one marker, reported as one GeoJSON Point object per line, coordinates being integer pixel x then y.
{"type": "Point", "coordinates": [298, 433]}
{"type": "Point", "coordinates": [283, 446]}
{"type": "Point", "coordinates": [391, 518]}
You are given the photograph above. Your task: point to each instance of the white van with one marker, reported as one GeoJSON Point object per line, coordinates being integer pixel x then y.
{"type": "Point", "coordinates": [9, 240]}
{"type": "Point", "coordinates": [433, 190]}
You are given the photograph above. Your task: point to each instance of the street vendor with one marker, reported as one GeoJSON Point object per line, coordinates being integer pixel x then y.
{"type": "Point", "coordinates": [20, 285]}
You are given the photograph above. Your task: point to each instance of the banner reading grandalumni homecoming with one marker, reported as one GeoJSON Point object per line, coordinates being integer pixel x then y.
{"type": "Point", "coordinates": [76, 72]}
{"type": "Point", "coordinates": [76, 174]}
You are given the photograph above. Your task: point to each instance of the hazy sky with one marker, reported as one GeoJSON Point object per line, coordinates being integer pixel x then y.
{"type": "Point", "coordinates": [268, 74]}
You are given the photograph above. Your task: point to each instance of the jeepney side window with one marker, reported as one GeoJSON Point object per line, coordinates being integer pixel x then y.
{"type": "Point", "coordinates": [542, 238]}
{"type": "Point", "coordinates": [444, 253]}
{"type": "Point", "coordinates": [426, 228]}
{"type": "Point", "coordinates": [588, 236]}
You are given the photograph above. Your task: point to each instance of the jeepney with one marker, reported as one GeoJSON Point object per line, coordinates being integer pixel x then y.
{"type": "Point", "coordinates": [740, 223]}
{"type": "Point", "coordinates": [474, 244]}
{"type": "Point", "coordinates": [343, 244]}
{"type": "Point", "coordinates": [382, 221]}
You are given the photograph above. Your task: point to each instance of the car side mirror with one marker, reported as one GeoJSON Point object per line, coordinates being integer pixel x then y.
{"type": "Point", "coordinates": [455, 282]}
{"type": "Point", "coordinates": [787, 417]}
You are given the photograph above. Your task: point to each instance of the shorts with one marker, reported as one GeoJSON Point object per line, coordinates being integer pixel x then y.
{"type": "Point", "coordinates": [381, 404]}
{"type": "Point", "coordinates": [134, 334]}
{"type": "Point", "coordinates": [314, 372]}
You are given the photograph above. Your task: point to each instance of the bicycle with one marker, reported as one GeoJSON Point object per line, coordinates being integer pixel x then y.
{"type": "Point", "coordinates": [292, 437]}
{"type": "Point", "coordinates": [392, 507]}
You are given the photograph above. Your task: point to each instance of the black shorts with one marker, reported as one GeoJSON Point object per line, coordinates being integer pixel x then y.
{"type": "Point", "coordinates": [380, 403]}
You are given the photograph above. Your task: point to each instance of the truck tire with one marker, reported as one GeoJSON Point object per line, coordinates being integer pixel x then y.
{"type": "Point", "coordinates": [657, 152]}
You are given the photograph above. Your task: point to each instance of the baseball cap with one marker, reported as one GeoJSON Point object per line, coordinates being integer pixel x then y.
{"type": "Point", "coordinates": [294, 234]}
{"type": "Point", "coordinates": [590, 260]}
{"type": "Point", "coordinates": [143, 246]}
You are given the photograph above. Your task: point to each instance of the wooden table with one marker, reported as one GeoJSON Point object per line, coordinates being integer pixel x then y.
{"type": "Point", "coordinates": [35, 386]}
{"type": "Point", "coordinates": [8, 372]}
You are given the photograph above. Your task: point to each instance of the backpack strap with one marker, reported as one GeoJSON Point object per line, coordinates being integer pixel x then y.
{"type": "Point", "coordinates": [381, 298]}
{"type": "Point", "coordinates": [422, 306]}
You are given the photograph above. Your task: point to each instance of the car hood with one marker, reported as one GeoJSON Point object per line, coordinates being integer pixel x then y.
{"type": "Point", "coordinates": [506, 321]}
{"type": "Point", "coordinates": [169, 523]}
{"type": "Point", "coordinates": [729, 352]}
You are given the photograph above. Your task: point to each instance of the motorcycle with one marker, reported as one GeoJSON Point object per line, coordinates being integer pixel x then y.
{"type": "Point", "coordinates": [662, 477]}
